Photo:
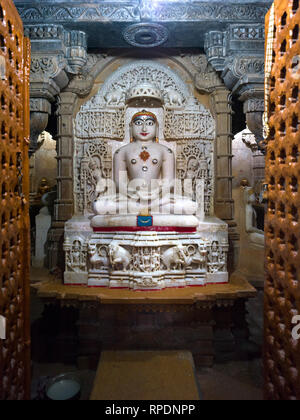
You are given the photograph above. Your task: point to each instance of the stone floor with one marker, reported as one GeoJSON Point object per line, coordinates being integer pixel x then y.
{"type": "Point", "coordinates": [228, 381]}
{"type": "Point", "coordinates": [238, 380]}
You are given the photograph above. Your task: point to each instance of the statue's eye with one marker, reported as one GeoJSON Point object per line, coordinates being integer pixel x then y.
{"type": "Point", "coordinates": [138, 123]}
{"type": "Point", "coordinates": [150, 123]}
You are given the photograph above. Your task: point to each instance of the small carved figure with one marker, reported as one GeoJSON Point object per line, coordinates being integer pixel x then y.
{"type": "Point", "coordinates": [217, 258]}
{"type": "Point", "coordinates": [192, 168]}
{"type": "Point", "coordinates": [97, 178]}
{"type": "Point", "coordinates": [214, 255]}
{"type": "Point", "coordinates": [119, 256]}
{"type": "Point", "coordinates": [114, 97]}
{"type": "Point", "coordinates": [75, 257]}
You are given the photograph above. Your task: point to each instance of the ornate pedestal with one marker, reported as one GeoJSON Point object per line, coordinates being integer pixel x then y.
{"type": "Point", "coordinates": [149, 258]}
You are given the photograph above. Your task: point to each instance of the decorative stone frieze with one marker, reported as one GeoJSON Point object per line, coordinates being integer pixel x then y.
{"type": "Point", "coordinates": [193, 11]}
{"type": "Point", "coordinates": [31, 12]}
{"type": "Point", "coordinates": [162, 11]}
{"type": "Point", "coordinates": [153, 260]}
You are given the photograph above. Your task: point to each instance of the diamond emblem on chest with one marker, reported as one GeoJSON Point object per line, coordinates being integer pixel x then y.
{"type": "Point", "coordinates": [144, 155]}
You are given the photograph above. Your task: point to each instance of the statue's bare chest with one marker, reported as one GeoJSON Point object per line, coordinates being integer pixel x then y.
{"type": "Point", "coordinates": [144, 161]}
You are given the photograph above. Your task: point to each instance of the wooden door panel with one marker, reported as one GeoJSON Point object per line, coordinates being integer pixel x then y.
{"type": "Point", "coordinates": [282, 228]}
{"type": "Point", "coordinates": [14, 211]}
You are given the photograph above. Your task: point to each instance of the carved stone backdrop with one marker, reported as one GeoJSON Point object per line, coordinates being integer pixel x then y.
{"type": "Point", "coordinates": [195, 161]}
{"type": "Point", "coordinates": [185, 124]}
{"type": "Point", "coordinates": [93, 163]}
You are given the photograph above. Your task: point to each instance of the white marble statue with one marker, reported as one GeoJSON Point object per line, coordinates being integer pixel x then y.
{"type": "Point", "coordinates": [144, 175]}
{"type": "Point", "coordinates": [255, 235]}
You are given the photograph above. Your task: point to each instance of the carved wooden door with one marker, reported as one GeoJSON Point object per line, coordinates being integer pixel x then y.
{"type": "Point", "coordinates": [14, 217]}
{"type": "Point", "coordinates": [282, 229]}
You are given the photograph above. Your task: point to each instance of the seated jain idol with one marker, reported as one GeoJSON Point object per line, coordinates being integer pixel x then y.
{"type": "Point", "coordinates": [144, 181]}
{"type": "Point", "coordinates": [144, 211]}
{"type": "Point", "coordinates": [145, 236]}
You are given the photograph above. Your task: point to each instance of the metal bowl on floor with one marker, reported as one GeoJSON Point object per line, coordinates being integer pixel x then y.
{"type": "Point", "coordinates": [64, 387]}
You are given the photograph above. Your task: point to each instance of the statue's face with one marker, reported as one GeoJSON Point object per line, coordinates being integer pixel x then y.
{"type": "Point", "coordinates": [144, 128]}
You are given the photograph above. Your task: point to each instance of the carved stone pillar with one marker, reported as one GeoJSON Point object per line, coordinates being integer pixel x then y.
{"type": "Point", "coordinates": [63, 208]}
{"type": "Point", "coordinates": [224, 204]}
{"type": "Point", "coordinates": [223, 198]}
{"type": "Point", "coordinates": [64, 203]}
{"type": "Point", "coordinates": [239, 54]}
{"type": "Point", "coordinates": [56, 54]}
{"type": "Point", "coordinates": [208, 81]}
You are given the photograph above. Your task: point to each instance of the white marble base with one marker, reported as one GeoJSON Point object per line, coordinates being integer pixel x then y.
{"type": "Point", "coordinates": [153, 261]}
{"type": "Point", "coordinates": [215, 278]}
{"type": "Point", "coordinates": [100, 279]}
{"type": "Point", "coordinates": [147, 260]}
{"type": "Point", "coordinates": [75, 278]}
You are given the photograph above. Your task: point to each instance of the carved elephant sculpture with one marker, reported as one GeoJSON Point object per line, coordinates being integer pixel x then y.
{"type": "Point", "coordinates": [175, 257]}
{"type": "Point", "coordinates": [114, 97]}
{"type": "Point", "coordinates": [174, 97]}
{"type": "Point", "coordinates": [119, 256]}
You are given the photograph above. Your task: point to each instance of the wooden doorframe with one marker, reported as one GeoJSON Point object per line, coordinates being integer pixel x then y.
{"type": "Point", "coordinates": [14, 208]}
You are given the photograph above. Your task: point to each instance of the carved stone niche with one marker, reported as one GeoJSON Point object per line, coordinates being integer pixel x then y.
{"type": "Point", "coordinates": [145, 260]}
{"type": "Point", "coordinates": [56, 54]}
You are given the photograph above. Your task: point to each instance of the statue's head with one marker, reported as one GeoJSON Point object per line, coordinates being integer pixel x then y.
{"type": "Point", "coordinates": [193, 164]}
{"type": "Point", "coordinates": [144, 126]}
{"type": "Point", "coordinates": [76, 246]}
{"type": "Point", "coordinates": [94, 164]}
